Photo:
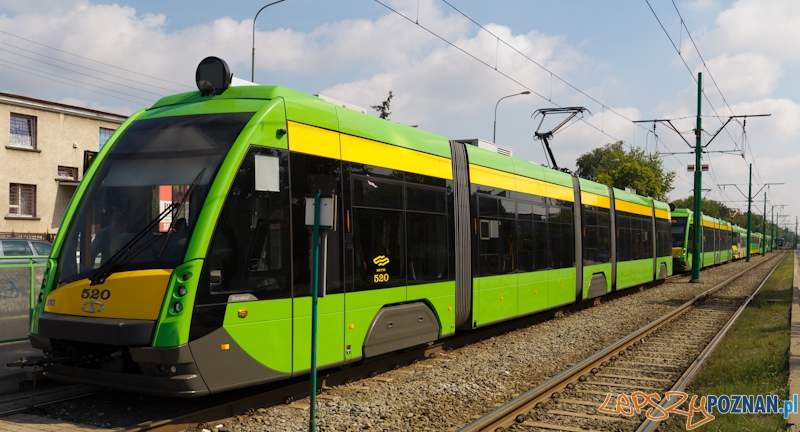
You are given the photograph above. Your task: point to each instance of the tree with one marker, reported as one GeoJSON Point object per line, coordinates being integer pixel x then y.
{"type": "Point", "coordinates": [383, 108]}
{"type": "Point", "coordinates": [611, 165]}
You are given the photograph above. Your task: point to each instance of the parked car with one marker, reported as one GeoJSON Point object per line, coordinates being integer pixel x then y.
{"type": "Point", "coordinates": [23, 247]}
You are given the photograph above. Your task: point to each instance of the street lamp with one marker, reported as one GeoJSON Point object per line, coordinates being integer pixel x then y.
{"type": "Point", "coordinates": [253, 62]}
{"type": "Point", "coordinates": [494, 133]}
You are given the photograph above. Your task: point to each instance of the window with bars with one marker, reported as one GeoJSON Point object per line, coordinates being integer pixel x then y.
{"type": "Point", "coordinates": [67, 173]}
{"type": "Point", "coordinates": [105, 134]}
{"type": "Point", "coordinates": [22, 200]}
{"type": "Point", "coordinates": [23, 131]}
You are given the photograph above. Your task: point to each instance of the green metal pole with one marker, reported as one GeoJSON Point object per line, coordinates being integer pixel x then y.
{"type": "Point", "coordinates": [312, 420]}
{"type": "Point", "coordinates": [749, 212]}
{"type": "Point", "coordinates": [698, 185]}
{"type": "Point", "coordinates": [772, 231]}
{"type": "Point", "coordinates": [764, 228]}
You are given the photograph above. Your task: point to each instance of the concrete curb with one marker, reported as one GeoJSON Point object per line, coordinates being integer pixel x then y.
{"type": "Point", "coordinates": [794, 346]}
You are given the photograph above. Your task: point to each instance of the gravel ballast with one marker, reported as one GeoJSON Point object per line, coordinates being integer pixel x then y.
{"type": "Point", "coordinates": [448, 392]}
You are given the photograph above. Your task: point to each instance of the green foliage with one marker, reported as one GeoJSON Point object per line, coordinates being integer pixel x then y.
{"type": "Point", "coordinates": [383, 108]}
{"type": "Point", "coordinates": [753, 358]}
{"type": "Point", "coordinates": [634, 168]}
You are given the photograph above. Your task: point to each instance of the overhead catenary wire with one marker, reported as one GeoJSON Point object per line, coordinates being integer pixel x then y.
{"type": "Point", "coordinates": [92, 60]}
{"type": "Point", "coordinates": [499, 39]}
{"type": "Point", "coordinates": [443, 39]}
{"type": "Point", "coordinates": [705, 66]}
{"type": "Point", "coordinates": [81, 73]}
{"type": "Point", "coordinates": [82, 66]}
{"type": "Point", "coordinates": [69, 84]}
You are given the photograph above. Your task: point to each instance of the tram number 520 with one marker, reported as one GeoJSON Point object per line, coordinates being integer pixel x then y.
{"type": "Point", "coordinates": [381, 277]}
{"type": "Point", "coordinates": [95, 294]}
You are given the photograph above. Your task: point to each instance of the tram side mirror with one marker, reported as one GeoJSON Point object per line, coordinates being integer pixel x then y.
{"type": "Point", "coordinates": [215, 278]}
{"type": "Point", "coordinates": [213, 76]}
{"type": "Point", "coordinates": [671, 207]}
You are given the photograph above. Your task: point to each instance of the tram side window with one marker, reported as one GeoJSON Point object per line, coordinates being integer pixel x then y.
{"type": "Point", "coordinates": [634, 237]}
{"type": "Point", "coordinates": [249, 251]}
{"type": "Point", "coordinates": [426, 220]}
{"type": "Point", "coordinates": [379, 248]}
{"type": "Point", "coordinates": [497, 235]}
{"type": "Point", "coordinates": [560, 236]}
{"type": "Point", "coordinates": [597, 235]}
{"type": "Point", "coordinates": [663, 244]}
{"type": "Point", "coordinates": [533, 252]}
{"type": "Point", "coordinates": [309, 175]}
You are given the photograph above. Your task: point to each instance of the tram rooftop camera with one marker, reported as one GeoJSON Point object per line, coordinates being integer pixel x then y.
{"type": "Point", "coordinates": [213, 76]}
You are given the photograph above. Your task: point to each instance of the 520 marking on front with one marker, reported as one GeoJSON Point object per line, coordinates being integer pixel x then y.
{"type": "Point", "coordinates": [95, 294]}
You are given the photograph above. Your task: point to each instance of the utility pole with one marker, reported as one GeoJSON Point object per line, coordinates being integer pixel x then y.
{"type": "Point", "coordinates": [698, 185]}
{"type": "Point", "coordinates": [749, 212]}
{"type": "Point", "coordinates": [697, 149]}
{"type": "Point", "coordinates": [764, 228]}
{"type": "Point", "coordinates": [749, 197]}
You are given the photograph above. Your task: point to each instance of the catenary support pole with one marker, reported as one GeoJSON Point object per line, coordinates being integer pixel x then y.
{"type": "Point", "coordinates": [749, 211]}
{"type": "Point", "coordinates": [698, 185]}
{"type": "Point", "coordinates": [764, 228]}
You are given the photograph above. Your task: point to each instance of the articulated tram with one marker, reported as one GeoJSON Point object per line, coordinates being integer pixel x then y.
{"type": "Point", "coordinates": [183, 265]}
{"type": "Point", "coordinates": [721, 241]}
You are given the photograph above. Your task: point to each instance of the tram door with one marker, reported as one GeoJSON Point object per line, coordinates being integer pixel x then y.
{"type": "Point", "coordinates": [310, 174]}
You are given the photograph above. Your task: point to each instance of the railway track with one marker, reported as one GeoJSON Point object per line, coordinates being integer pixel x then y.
{"type": "Point", "coordinates": [660, 357]}
{"type": "Point", "coordinates": [215, 409]}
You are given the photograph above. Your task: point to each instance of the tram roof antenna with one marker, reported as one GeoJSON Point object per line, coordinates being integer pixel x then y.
{"type": "Point", "coordinates": [544, 136]}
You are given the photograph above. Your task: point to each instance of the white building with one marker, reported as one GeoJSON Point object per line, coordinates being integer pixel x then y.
{"type": "Point", "coordinates": [42, 161]}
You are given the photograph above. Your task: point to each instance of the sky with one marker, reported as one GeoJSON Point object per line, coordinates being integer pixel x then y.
{"type": "Point", "coordinates": [449, 63]}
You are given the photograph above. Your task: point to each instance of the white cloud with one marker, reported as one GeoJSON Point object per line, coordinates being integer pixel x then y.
{"type": "Point", "coordinates": [743, 76]}
{"type": "Point", "coordinates": [767, 26]}
{"type": "Point", "coordinates": [702, 5]}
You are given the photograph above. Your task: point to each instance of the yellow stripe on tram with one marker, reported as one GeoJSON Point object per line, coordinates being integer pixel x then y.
{"type": "Point", "coordinates": [507, 181]}
{"type": "Point", "coordinates": [314, 141]}
{"type": "Point", "coordinates": [595, 200]}
{"type": "Point", "coordinates": [662, 214]}
{"type": "Point", "coordinates": [633, 208]}
{"type": "Point", "coordinates": [360, 150]}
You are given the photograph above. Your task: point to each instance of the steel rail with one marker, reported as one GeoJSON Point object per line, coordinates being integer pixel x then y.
{"type": "Point", "coordinates": [502, 416]}
{"type": "Point", "coordinates": [34, 406]}
{"type": "Point", "coordinates": [649, 425]}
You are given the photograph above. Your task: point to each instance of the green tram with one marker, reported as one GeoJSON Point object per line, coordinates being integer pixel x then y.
{"type": "Point", "coordinates": [722, 241]}
{"type": "Point", "coordinates": [183, 263]}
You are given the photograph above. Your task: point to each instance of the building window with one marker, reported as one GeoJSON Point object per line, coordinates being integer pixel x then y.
{"type": "Point", "coordinates": [105, 134]}
{"type": "Point", "coordinates": [67, 173]}
{"type": "Point", "coordinates": [22, 200]}
{"type": "Point", "coordinates": [23, 131]}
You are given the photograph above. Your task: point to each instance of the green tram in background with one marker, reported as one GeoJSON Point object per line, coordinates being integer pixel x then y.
{"type": "Point", "coordinates": [183, 263]}
{"type": "Point", "coordinates": [722, 241]}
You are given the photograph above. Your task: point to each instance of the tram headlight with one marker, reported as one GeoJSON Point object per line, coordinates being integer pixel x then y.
{"type": "Point", "coordinates": [177, 307]}
{"type": "Point", "coordinates": [182, 291]}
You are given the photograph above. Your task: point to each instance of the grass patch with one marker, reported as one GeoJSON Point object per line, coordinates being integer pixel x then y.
{"type": "Point", "coordinates": [752, 359]}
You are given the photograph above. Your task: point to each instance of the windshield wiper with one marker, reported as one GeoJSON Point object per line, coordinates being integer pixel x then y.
{"type": "Point", "coordinates": [185, 198]}
{"type": "Point", "coordinates": [105, 269]}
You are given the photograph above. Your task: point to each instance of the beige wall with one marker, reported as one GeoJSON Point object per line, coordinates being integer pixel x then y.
{"type": "Point", "coordinates": [62, 135]}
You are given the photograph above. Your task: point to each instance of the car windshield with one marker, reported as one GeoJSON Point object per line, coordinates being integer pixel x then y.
{"type": "Point", "coordinates": [42, 248]}
{"type": "Point", "coordinates": [678, 231]}
{"type": "Point", "coordinates": [148, 170]}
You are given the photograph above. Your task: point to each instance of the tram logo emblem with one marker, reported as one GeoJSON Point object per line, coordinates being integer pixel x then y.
{"type": "Point", "coordinates": [93, 306]}
{"type": "Point", "coordinates": [380, 260]}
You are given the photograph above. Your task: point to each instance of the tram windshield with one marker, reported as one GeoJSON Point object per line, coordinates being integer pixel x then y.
{"type": "Point", "coordinates": [678, 231]}
{"type": "Point", "coordinates": [140, 198]}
